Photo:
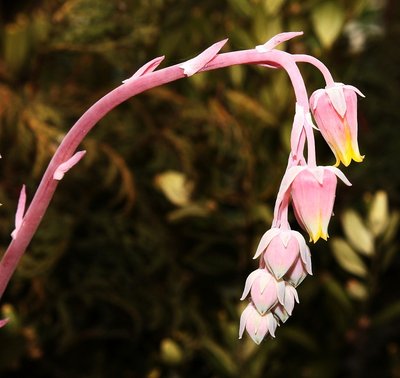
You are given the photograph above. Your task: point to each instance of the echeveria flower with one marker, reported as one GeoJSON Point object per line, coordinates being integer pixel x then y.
{"type": "Point", "coordinates": [281, 248]}
{"type": "Point", "coordinates": [265, 290]}
{"type": "Point", "coordinates": [335, 111]}
{"type": "Point", "coordinates": [313, 193]}
{"type": "Point", "coordinates": [257, 325]}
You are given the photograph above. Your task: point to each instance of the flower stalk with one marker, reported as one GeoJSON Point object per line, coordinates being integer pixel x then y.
{"type": "Point", "coordinates": [285, 259]}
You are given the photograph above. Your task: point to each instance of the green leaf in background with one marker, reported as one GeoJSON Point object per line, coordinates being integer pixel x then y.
{"type": "Point", "coordinates": [219, 357]}
{"type": "Point", "coordinates": [16, 44]}
{"type": "Point", "coordinates": [357, 233]}
{"type": "Point", "coordinates": [175, 186]}
{"type": "Point", "coordinates": [378, 215]}
{"type": "Point", "coordinates": [171, 352]}
{"type": "Point", "coordinates": [392, 227]}
{"type": "Point", "coordinates": [347, 258]}
{"type": "Point", "coordinates": [272, 7]}
{"type": "Point", "coordinates": [388, 314]}
{"type": "Point", "coordinates": [337, 292]}
{"type": "Point", "coordinates": [357, 289]}
{"type": "Point", "coordinates": [328, 19]}
{"type": "Point", "coordinates": [265, 27]}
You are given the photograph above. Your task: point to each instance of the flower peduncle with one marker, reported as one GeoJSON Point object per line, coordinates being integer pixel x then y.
{"type": "Point", "coordinates": [304, 58]}
{"type": "Point", "coordinates": [145, 78]}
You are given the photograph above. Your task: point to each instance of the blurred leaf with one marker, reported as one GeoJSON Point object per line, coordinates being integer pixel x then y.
{"type": "Point", "coordinates": [357, 290]}
{"type": "Point", "coordinates": [171, 352]}
{"type": "Point", "coordinates": [40, 27]}
{"type": "Point", "coordinates": [17, 43]}
{"type": "Point", "coordinates": [299, 336]}
{"type": "Point", "coordinates": [241, 6]}
{"type": "Point", "coordinates": [378, 215]}
{"type": "Point", "coordinates": [265, 28]}
{"type": "Point", "coordinates": [347, 258]}
{"type": "Point", "coordinates": [261, 212]}
{"type": "Point", "coordinates": [392, 227]}
{"type": "Point", "coordinates": [336, 290]}
{"type": "Point", "coordinates": [190, 210]}
{"type": "Point", "coordinates": [356, 232]}
{"type": "Point", "coordinates": [273, 6]}
{"type": "Point", "coordinates": [389, 254]}
{"type": "Point", "coordinates": [328, 19]}
{"type": "Point", "coordinates": [237, 74]}
{"type": "Point", "coordinates": [251, 106]}
{"type": "Point", "coordinates": [219, 357]}
{"type": "Point", "coordinates": [175, 186]}
{"type": "Point", "coordinates": [388, 314]}
{"type": "Point", "coordinates": [14, 322]}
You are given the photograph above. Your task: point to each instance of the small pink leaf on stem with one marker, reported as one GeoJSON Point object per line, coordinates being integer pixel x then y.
{"type": "Point", "coordinates": [3, 322]}
{"type": "Point", "coordinates": [67, 165]}
{"type": "Point", "coordinates": [298, 125]}
{"type": "Point", "coordinates": [190, 67]}
{"type": "Point", "coordinates": [19, 215]}
{"type": "Point", "coordinates": [276, 40]}
{"type": "Point", "coordinates": [146, 68]}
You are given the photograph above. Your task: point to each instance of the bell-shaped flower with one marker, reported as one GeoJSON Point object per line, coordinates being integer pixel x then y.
{"type": "Point", "coordinates": [335, 111]}
{"type": "Point", "coordinates": [264, 289]}
{"type": "Point", "coordinates": [281, 248]}
{"type": "Point", "coordinates": [313, 193]}
{"type": "Point", "coordinates": [257, 326]}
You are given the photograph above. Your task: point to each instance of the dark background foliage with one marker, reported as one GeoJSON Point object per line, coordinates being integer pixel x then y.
{"type": "Point", "coordinates": [134, 273]}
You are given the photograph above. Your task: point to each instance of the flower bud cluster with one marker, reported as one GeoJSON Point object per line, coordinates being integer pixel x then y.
{"type": "Point", "coordinates": [285, 261]}
{"type": "Point", "coordinates": [284, 257]}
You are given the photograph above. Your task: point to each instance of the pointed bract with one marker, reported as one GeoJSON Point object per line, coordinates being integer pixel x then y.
{"type": "Point", "coordinates": [147, 68]}
{"type": "Point", "coordinates": [190, 67]}
{"type": "Point", "coordinates": [280, 312]}
{"type": "Point", "coordinates": [297, 273]}
{"type": "Point", "coordinates": [63, 168]}
{"type": "Point", "coordinates": [290, 298]}
{"type": "Point", "coordinates": [276, 40]}
{"type": "Point", "coordinates": [19, 215]}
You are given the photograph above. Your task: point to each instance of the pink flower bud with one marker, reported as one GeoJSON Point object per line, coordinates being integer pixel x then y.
{"type": "Point", "coordinates": [265, 290]}
{"type": "Point", "coordinates": [280, 250]}
{"type": "Point", "coordinates": [257, 325]}
{"type": "Point", "coordinates": [335, 111]}
{"type": "Point", "coordinates": [313, 193]}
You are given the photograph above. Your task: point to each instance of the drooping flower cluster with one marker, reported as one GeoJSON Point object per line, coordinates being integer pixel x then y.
{"type": "Point", "coordinates": [284, 257]}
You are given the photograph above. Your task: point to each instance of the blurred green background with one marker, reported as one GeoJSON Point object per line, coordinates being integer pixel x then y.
{"type": "Point", "coordinates": [138, 266]}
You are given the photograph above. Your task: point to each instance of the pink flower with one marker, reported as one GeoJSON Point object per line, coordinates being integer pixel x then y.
{"type": "Point", "coordinates": [281, 248]}
{"type": "Point", "coordinates": [313, 193]}
{"type": "Point", "coordinates": [335, 111]}
{"type": "Point", "coordinates": [257, 325]}
{"type": "Point", "coordinates": [265, 290]}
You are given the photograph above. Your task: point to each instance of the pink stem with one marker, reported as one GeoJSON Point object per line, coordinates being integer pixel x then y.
{"type": "Point", "coordinates": [303, 58]}
{"type": "Point", "coordinates": [89, 119]}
